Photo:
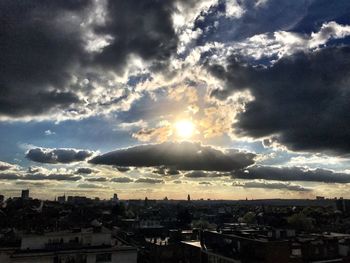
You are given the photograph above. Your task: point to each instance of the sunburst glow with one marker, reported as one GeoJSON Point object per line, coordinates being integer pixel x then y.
{"type": "Point", "coordinates": [184, 128]}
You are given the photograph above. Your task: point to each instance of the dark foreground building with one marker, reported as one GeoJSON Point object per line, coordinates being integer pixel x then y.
{"type": "Point", "coordinates": [258, 246]}
{"type": "Point", "coordinates": [74, 246]}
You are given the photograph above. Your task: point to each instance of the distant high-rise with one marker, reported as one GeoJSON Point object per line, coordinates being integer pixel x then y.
{"type": "Point", "coordinates": [188, 197]}
{"type": "Point", "coordinates": [61, 199]}
{"type": "Point", "coordinates": [25, 194]}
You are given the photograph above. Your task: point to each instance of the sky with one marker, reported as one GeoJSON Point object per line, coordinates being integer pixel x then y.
{"type": "Point", "coordinates": [219, 99]}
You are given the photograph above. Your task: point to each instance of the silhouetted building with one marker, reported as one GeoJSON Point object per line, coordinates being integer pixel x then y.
{"type": "Point", "coordinates": [78, 200]}
{"type": "Point", "coordinates": [25, 194]}
{"type": "Point", "coordinates": [343, 204]}
{"type": "Point", "coordinates": [76, 246]}
{"type": "Point", "coordinates": [115, 198]}
{"type": "Point", "coordinates": [61, 199]}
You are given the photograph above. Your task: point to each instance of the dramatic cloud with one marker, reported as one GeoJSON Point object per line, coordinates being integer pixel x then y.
{"type": "Point", "coordinates": [38, 174]}
{"type": "Point", "coordinates": [262, 85]}
{"type": "Point", "coordinates": [164, 171]}
{"type": "Point", "coordinates": [203, 174]}
{"type": "Point", "coordinates": [57, 177]}
{"type": "Point", "coordinates": [302, 100]}
{"type": "Point", "coordinates": [123, 169]}
{"type": "Point", "coordinates": [149, 181]}
{"type": "Point", "coordinates": [243, 19]}
{"type": "Point", "coordinates": [40, 43]}
{"type": "Point", "coordinates": [269, 48]}
{"type": "Point", "coordinates": [234, 21]}
{"type": "Point", "coordinates": [122, 180]}
{"type": "Point", "coordinates": [9, 176]}
{"type": "Point", "coordinates": [85, 170]}
{"type": "Point", "coordinates": [52, 52]}
{"type": "Point", "coordinates": [138, 27]}
{"type": "Point", "coordinates": [89, 186]}
{"type": "Point", "coordinates": [7, 166]}
{"type": "Point", "coordinates": [54, 156]}
{"type": "Point", "coordinates": [268, 185]}
{"type": "Point", "coordinates": [182, 156]}
{"type": "Point", "coordinates": [292, 174]}
{"type": "Point", "coordinates": [96, 179]}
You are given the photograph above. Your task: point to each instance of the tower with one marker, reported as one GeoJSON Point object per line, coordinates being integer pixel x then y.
{"type": "Point", "coordinates": [25, 194]}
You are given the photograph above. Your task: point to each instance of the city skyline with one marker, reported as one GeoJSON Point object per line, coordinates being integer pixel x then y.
{"type": "Point", "coordinates": [219, 99]}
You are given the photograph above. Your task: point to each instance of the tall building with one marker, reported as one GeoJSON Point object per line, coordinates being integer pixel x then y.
{"type": "Point", "coordinates": [61, 199]}
{"type": "Point", "coordinates": [188, 197]}
{"type": "Point", "coordinates": [25, 194]}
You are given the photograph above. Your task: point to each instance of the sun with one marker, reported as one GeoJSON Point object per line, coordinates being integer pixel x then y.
{"type": "Point", "coordinates": [184, 128]}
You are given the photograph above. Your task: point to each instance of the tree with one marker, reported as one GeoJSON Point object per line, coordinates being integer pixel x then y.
{"type": "Point", "coordinates": [300, 222]}
{"type": "Point", "coordinates": [249, 218]}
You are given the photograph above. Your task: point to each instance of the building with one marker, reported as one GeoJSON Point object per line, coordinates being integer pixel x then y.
{"type": "Point", "coordinates": [219, 247]}
{"type": "Point", "coordinates": [25, 194]}
{"type": "Point", "coordinates": [78, 200]}
{"type": "Point", "coordinates": [91, 245]}
{"type": "Point", "coordinates": [115, 198]}
{"type": "Point", "coordinates": [343, 205]}
{"type": "Point", "coordinates": [61, 199]}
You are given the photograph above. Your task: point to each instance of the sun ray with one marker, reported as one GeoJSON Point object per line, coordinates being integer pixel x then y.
{"type": "Point", "coordinates": [184, 128]}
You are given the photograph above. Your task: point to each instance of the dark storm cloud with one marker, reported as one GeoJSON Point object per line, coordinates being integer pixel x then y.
{"type": "Point", "coordinates": [149, 181]}
{"type": "Point", "coordinates": [9, 176]}
{"type": "Point", "coordinates": [56, 177]}
{"type": "Point", "coordinates": [123, 169]}
{"type": "Point", "coordinates": [277, 186]}
{"type": "Point", "coordinates": [84, 170]}
{"type": "Point", "coordinates": [291, 174]}
{"type": "Point", "coordinates": [55, 156]}
{"type": "Point", "coordinates": [182, 156]}
{"type": "Point", "coordinates": [203, 174]}
{"type": "Point", "coordinates": [172, 172]}
{"type": "Point", "coordinates": [37, 52]}
{"type": "Point", "coordinates": [43, 47]}
{"type": "Point", "coordinates": [122, 180]}
{"type": "Point", "coordinates": [138, 27]}
{"type": "Point", "coordinates": [5, 166]}
{"type": "Point", "coordinates": [303, 100]}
